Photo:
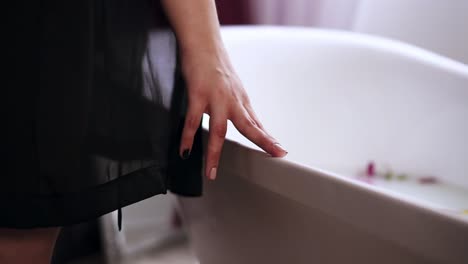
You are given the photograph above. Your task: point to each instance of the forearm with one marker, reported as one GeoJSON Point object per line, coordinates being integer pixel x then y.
{"type": "Point", "coordinates": [196, 25]}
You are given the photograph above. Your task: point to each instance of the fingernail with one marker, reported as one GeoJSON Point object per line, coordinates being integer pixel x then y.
{"type": "Point", "coordinates": [213, 174]}
{"type": "Point", "coordinates": [278, 146]}
{"type": "Point", "coordinates": [185, 154]}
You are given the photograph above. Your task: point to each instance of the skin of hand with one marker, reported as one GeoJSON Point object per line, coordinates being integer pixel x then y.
{"type": "Point", "coordinates": [213, 86]}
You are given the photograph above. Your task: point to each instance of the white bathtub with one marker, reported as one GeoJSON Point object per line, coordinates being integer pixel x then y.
{"type": "Point", "coordinates": [336, 100]}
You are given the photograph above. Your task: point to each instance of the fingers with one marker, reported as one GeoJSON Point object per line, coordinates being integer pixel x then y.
{"type": "Point", "coordinates": [252, 129]}
{"type": "Point", "coordinates": [227, 102]}
{"type": "Point", "coordinates": [191, 124]}
{"type": "Point", "coordinates": [217, 133]}
{"type": "Point", "coordinates": [252, 114]}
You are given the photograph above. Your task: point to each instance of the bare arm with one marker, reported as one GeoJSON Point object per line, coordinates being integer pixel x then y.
{"type": "Point", "coordinates": [213, 86]}
{"type": "Point", "coordinates": [196, 25]}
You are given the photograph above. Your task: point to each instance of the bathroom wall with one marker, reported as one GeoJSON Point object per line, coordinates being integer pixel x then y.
{"type": "Point", "coordinates": [316, 13]}
{"type": "Point", "coordinates": [439, 26]}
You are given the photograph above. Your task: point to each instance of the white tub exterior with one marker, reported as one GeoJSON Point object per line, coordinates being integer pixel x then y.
{"type": "Point", "coordinates": [336, 100]}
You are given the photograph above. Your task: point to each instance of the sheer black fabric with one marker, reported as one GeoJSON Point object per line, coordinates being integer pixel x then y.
{"type": "Point", "coordinates": [95, 104]}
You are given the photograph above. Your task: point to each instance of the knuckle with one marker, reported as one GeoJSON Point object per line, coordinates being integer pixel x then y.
{"type": "Point", "coordinates": [245, 98]}
{"type": "Point", "coordinates": [214, 153]}
{"type": "Point", "coordinates": [252, 122]}
{"type": "Point", "coordinates": [260, 138]}
{"type": "Point", "coordinates": [187, 138]}
{"type": "Point", "coordinates": [266, 141]}
{"type": "Point", "coordinates": [191, 123]}
{"type": "Point", "coordinates": [219, 130]}
{"type": "Point", "coordinates": [248, 122]}
{"type": "Point", "coordinates": [213, 156]}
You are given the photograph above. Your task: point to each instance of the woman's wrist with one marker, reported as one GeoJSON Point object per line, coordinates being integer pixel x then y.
{"type": "Point", "coordinates": [205, 57]}
{"type": "Point", "coordinates": [201, 46]}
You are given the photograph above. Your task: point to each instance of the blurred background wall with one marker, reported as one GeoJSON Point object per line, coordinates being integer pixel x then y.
{"type": "Point", "coordinates": [440, 26]}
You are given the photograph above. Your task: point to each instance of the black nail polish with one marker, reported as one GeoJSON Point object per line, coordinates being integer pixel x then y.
{"type": "Point", "coordinates": [185, 154]}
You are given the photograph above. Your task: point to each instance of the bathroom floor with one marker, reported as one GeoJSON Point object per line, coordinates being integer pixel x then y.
{"type": "Point", "coordinates": [177, 252]}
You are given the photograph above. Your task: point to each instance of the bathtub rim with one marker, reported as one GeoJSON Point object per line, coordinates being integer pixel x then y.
{"type": "Point", "coordinates": [442, 233]}
{"type": "Point", "coordinates": [374, 42]}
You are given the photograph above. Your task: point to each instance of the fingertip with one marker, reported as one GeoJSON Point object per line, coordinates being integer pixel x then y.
{"type": "Point", "coordinates": [212, 175]}
{"type": "Point", "coordinates": [278, 154]}
{"type": "Point", "coordinates": [191, 125]}
{"type": "Point", "coordinates": [185, 153]}
{"type": "Point", "coordinates": [279, 150]}
{"type": "Point", "coordinates": [279, 146]}
{"type": "Point", "coordinates": [186, 143]}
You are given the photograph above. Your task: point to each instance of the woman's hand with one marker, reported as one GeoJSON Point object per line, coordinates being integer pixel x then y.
{"type": "Point", "coordinates": [214, 88]}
